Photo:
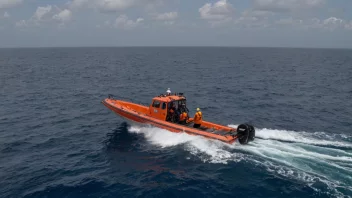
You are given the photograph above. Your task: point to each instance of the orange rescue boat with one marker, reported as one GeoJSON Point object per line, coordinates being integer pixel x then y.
{"type": "Point", "coordinates": [158, 114]}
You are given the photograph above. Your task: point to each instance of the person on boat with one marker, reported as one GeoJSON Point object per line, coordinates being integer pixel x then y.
{"type": "Point", "coordinates": [183, 118]}
{"type": "Point", "coordinates": [172, 108]}
{"type": "Point", "coordinates": [184, 108]}
{"type": "Point", "coordinates": [197, 119]}
{"type": "Point", "coordinates": [168, 92]}
{"type": "Point", "coordinates": [172, 112]}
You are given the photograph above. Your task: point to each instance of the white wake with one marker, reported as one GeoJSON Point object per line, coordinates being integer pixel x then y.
{"type": "Point", "coordinates": [214, 151]}
{"type": "Point", "coordinates": [304, 156]}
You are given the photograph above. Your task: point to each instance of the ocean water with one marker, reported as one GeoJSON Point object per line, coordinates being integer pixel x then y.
{"type": "Point", "coordinates": [58, 140]}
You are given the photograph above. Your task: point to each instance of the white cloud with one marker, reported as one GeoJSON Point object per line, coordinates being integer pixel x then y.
{"type": "Point", "coordinates": [46, 15]}
{"type": "Point", "coordinates": [253, 19]}
{"type": "Point", "coordinates": [63, 16]}
{"type": "Point", "coordinates": [6, 15]}
{"type": "Point", "coordinates": [123, 22]}
{"type": "Point", "coordinates": [9, 3]}
{"type": "Point", "coordinates": [331, 23]}
{"type": "Point", "coordinates": [286, 5]}
{"type": "Point", "coordinates": [42, 12]}
{"type": "Point", "coordinates": [221, 10]}
{"type": "Point", "coordinates": [40, 15]}
{"type": "Point", "coordinates": [168, 16]}
{"type": "Point", "coordinates": [299, 23]}
{"type": "Point", "coordinates": [333, 20]}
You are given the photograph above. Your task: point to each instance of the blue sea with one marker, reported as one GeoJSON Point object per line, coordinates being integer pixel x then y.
{"type": "Point", "coordinates": [58, 140]}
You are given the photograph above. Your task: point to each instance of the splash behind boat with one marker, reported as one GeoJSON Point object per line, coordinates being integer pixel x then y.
{"type": "Point", "coordinates": [157, 114]}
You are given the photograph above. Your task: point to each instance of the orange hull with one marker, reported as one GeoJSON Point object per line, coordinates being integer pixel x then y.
{"type": "Point", "coordinates": [141, 114]}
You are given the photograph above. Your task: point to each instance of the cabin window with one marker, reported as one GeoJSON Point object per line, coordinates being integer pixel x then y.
{"type": "Point", "coordinates": [156, 104]}
{"type": "Point", "coordinates": [164, 105]}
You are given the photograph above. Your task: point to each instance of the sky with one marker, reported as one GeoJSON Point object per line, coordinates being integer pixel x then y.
{"type": "Point", "coordinates": [247, 23]}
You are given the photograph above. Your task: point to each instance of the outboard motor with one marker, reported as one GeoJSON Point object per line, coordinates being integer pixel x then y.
{"type": "Point", "coordinates": [245, 133]}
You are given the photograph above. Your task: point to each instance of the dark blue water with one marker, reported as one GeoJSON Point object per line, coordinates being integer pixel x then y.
{"type": "Point", "coordinates": [58, 140]}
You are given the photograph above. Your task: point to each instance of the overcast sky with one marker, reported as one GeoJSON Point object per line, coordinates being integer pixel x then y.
{"type": "Point", "coordinates": [283, 23]}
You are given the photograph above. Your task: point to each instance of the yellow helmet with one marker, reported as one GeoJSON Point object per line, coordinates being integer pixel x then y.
{"type": "Point", "coordinates": [198, 109]}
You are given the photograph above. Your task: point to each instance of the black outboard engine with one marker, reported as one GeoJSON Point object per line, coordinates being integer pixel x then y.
{"type": "Point", "coordinates": [245, 133]}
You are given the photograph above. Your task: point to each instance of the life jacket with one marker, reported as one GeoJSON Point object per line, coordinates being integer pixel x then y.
{"type": "Point", "coordinates": [183, 116]}
{"type": "Point", "coordinates": [198, 118]}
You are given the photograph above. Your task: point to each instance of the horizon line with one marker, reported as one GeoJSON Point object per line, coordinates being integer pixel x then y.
{"type": "Point", "coordinates": [170, 46]}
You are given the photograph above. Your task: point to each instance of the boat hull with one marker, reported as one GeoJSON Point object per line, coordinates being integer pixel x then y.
{"type": "Point", "coordinates": [124, 110]}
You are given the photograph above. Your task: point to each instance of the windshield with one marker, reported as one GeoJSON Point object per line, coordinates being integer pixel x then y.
{"type": "Point", "coordinates": [179, 105]}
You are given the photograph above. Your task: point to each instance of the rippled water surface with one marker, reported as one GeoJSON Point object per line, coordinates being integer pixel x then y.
{"type": "Point", "coordinates": [58, 140]}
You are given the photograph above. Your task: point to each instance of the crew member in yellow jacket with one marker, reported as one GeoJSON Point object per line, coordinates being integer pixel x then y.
{"type": "Point", "coordinates": [197, 119]}
{"type": "Point", "coordinates": [183, 118]}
